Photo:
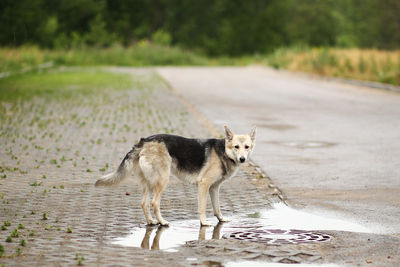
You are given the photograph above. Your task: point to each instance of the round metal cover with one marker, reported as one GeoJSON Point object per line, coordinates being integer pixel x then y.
{"type": "Point", "coordinates": [278, 236]}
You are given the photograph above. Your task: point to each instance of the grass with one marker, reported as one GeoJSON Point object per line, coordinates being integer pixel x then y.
{"type": "Point", "coordinates": [60, 84]}
{"type": "Point", "coordinates": [359, 64]}
{"type": "Point", "coordinates": [14, 233]}
{"type": "Point", "coordinates": [362, 64]}
{"type": "Point", "coordinates": [139, 55]}
{"type": "Point", "coordinates": [79, 259]}
{"type": "Point", "coordinates": [143, 54]}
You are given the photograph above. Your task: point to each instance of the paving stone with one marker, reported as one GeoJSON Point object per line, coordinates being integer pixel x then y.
{"type": "Point", "coordinates": [67, 220]}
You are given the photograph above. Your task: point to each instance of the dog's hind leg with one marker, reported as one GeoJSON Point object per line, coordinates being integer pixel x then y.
{"type": "Point", "coordinates": [158, 190]}
{"type": "Point", "coordinates": [145, 202]}
{"type": "Point", "coordinates": [155, 165]}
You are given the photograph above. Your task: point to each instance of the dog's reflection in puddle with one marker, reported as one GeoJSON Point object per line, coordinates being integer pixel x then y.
{"type": "Point", "coordinates": [215, 234]}
{"type": "Point", "coordinates": [176, 236]}
{"type": "Point", "coordinates": [156, 241]}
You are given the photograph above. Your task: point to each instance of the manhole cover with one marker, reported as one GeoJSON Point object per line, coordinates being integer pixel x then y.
{"type": "Point", "coordinates": [278, 236]}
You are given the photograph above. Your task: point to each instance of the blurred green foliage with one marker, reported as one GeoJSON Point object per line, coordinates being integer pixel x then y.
{"type": "Point", "coordinates": [215, 27]}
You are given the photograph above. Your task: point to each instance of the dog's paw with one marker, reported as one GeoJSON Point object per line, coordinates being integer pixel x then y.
{"type": "Point", "coordinates": [152, 222]}
{"type": "Point", "coordinates": [164, 223]}
{"type": "Point", "coordinates": [222, 219]}
{"type": "Point", "coordinates": [205, 223]}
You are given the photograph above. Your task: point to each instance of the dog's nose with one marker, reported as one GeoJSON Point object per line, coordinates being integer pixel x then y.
{"type": "Point", "coordinates": [242, 159]}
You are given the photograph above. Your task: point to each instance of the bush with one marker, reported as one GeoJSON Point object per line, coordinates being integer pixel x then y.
{"type": "Point", "coordinates": [161, 37]}
{"type": "Point", "coordinates": [98, 35]}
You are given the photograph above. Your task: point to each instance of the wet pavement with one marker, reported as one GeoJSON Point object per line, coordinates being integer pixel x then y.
{"type": "Point", "coordinates": [48, 196]}
{"type": "Point", "coordinates": [331, 148]}
{"type": "Point", "coordinates": [325, 144]}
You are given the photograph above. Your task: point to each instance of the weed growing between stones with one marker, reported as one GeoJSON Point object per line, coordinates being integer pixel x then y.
{"type": "Point", "coordinates": [79, 259]}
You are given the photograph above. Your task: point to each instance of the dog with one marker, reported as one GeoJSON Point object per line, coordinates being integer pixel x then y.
{"type": "Point", "coordinates": [206, 162]}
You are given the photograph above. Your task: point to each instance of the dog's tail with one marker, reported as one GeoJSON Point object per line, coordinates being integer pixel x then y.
{"type": "Point", "coordinates": [123, 171]}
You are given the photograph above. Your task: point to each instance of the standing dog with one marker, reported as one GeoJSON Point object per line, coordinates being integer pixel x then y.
{"type": "Point", "coordinates": [207, 162]}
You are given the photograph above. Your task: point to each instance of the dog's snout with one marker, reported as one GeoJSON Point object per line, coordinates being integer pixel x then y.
{"type": "Point", "coordinates": [242, 159]}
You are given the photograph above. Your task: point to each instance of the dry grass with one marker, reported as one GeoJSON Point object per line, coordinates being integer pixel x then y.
{"type": "Point", "coordinates": [370, 65]}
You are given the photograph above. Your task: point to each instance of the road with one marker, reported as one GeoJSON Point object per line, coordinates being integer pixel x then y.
{"type": "Point", "coordinates": [333, 149]}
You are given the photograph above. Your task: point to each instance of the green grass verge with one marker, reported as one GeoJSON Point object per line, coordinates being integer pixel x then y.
{"type": "Point", "coordinates": [61, 84]}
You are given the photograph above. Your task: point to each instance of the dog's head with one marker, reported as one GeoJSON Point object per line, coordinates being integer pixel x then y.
{"type": "Point", "coordinates": [238, 147]}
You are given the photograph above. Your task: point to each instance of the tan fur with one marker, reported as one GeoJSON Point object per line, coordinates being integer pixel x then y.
{"type": "Point", "coordinates": [153, 165]}
{"type": "Point", "coordinates": [211, 174]}
{"type": "Point", "coordinates": [153, 168]}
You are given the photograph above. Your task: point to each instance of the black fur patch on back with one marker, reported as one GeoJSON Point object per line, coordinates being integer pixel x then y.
{"type": "Point", "coordinates": [190, 154]}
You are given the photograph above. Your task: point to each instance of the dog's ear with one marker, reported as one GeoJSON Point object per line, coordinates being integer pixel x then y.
{"type": "Point", "coordinates": [228, 133]}
{"type": "Point", "coordinates": [253, 133]}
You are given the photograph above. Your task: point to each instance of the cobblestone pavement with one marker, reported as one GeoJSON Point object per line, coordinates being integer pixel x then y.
{"type": "Point", "coordinates": [51, 154]}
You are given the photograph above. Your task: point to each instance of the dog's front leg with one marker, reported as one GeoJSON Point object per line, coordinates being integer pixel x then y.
{"type": "Point", "coordinates": [214, 194]}
{"type": "Point", "coordinates": [203, 190]}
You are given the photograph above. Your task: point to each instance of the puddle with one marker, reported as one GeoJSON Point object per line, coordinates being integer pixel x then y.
{"type": "Point", "coordinates": [303, 144]}
{"type": "Point", "coordinates": [270, 264]}
{"type": "Point", "coordinates": [284, 217]}
{"type": "Point", "coordinates": [163, 237]}
{"type": "Point", "coordinates": [279, 225]}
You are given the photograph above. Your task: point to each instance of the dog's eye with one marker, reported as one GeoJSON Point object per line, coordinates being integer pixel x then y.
{"type": "Point", "coordinates": [237, 147]}
{"type": "Point", "coordinates": [246, 146]}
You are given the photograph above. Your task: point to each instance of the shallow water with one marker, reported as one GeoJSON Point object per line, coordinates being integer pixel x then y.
{"type": "Point", "coordinates": [284, 217]}
{"type": "Point", "coordinates": [164, 237]}
{"type": "Point", "coordinates": [279, 217]}
{"type": "Point", "coordinates": [269, 264]}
